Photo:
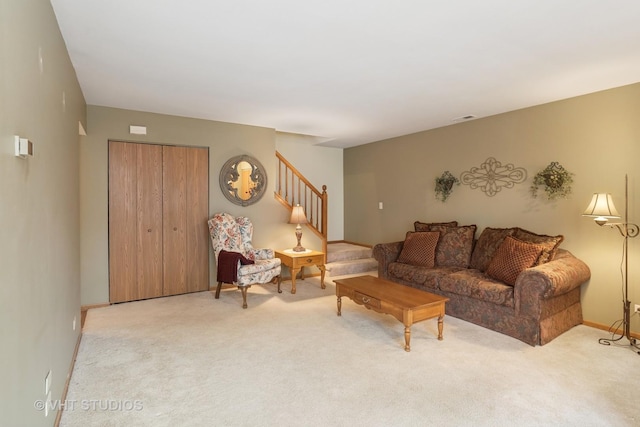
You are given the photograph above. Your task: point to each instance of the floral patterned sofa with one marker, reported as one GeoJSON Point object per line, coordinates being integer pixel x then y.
{"type": "Point", "coordinates": [509, 280]}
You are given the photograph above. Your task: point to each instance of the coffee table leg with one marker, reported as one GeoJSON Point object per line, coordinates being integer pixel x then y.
{"type": "Point", "coordinates": [407, 338]}
{"type": "Point", "coordinates": [339, 306]}
{"type": "Point", "coordinates": [407, 321]}
{"type": "Point", "coordinates": [440, 325]}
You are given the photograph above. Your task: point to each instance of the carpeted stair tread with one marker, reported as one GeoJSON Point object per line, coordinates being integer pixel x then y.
{"type": "Point", "coordinates": [352, 266]}
{"type": "Point", "coordinates": [346, 251]}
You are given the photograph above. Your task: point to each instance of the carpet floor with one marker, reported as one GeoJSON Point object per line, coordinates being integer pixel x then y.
{"type": "Point", "coordinates": [289, 360]}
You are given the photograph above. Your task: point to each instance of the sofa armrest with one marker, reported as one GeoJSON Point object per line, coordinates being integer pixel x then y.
{"type": "Point", "coordinates": [385, 254]}
{"type": "Point", "coordinates": [557, 277]}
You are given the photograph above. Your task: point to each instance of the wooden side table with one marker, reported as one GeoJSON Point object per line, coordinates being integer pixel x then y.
{"type": "Point", "coordinates": [296, 261]}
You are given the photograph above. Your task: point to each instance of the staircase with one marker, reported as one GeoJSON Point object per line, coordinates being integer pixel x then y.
{"type": "Point", "coordinates": [342, 258]}
{"type": "Point", "coordinates": [292, 188]}
{"type": "Point", "coordinates": [348, 258]}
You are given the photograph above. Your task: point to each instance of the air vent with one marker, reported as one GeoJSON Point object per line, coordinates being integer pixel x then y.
{"type": "Point", "coordinates": [463, 118]}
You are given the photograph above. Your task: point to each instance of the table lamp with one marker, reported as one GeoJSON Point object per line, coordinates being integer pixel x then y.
{"type": "Point", "coordinates": [298, 217]}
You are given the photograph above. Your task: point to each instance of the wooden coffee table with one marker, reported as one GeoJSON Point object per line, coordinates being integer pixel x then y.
{"type": "Point", "coordinates": [408, 305]}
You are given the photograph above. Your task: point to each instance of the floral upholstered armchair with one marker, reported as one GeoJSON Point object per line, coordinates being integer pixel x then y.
{"type": "Point", "coordinates": [237, 260]}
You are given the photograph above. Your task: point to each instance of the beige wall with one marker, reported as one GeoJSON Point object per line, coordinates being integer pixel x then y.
{"type": "Point", "coordinates": [597, 137]}
{"type": "Point", "coordinates": [39, 211]}
{"type": "Point", "coordinates": [224, 140]}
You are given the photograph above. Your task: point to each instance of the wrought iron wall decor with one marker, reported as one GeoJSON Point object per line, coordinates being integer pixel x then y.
{"type": "Point", "coordinates": [555, 179]}
{"type": "Point", "coordinates": [492, 176]}
{"type": "Point", "coordinates": [444, 185]}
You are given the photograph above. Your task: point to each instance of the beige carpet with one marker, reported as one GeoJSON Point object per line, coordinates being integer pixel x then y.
{"type": "Point", "coordinates": [288, 360]}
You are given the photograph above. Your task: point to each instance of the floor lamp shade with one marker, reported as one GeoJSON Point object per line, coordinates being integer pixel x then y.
{"type": "Point", "coordinates": [601, 207]}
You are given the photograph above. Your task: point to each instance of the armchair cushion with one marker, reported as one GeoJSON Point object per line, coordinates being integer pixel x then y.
{"type": "Point", "coordinates": [263, 271]}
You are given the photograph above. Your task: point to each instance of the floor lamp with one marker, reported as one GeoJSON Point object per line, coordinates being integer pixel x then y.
{"type": "Point", "coordinates": [602, 208]}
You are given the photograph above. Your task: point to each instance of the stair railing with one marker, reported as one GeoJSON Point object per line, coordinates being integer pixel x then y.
{"type": "Point", "coordinates": [293, 188]}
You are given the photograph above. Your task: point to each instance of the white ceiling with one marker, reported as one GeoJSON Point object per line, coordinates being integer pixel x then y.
{"type": "Point", "coordinates": [347, 71]}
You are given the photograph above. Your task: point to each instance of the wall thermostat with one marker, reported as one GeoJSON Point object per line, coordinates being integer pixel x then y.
{"type": "Point", "coordinates": [24, 147]}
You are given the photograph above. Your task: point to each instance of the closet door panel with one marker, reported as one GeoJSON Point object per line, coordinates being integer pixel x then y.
{"type": "Point", "coordinates": [122, 222]}
{"type": "Point", "coordinates": [197, 215]}
{"type": "Point", "coordinates": [149, 233]}
{"type": "Point", "coordinates": [158, 211]}
{"type": "Point", "coordinates": [174, 219]}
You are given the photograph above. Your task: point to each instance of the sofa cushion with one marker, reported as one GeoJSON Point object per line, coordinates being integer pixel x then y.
{"type": "Point", "coordinates": [418, 277]}
{"type": "Point", "coordinates": [550, 243]}
{"type": "Point", "coordinates": [419, 248]}
{"type": "Point", "coordinates": [484, 249]}
{"type": "Point", "coordinates": [455, 245]}
{"type": "Point", "coordinates": [477, 285]}
{"type": "Point", "coordinates": [426, 226]}
{"type": "Point", "coordinates": [511, 258]}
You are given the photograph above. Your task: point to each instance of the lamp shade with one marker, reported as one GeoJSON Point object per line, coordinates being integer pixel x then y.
{"type": "Point", "coordinates": [297, 215]}
{"type": "Point", "coordinates": [601, 206]}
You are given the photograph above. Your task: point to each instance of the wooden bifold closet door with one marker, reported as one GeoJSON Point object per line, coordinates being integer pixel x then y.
{"type": "Point", "coordinates": [158, 211]}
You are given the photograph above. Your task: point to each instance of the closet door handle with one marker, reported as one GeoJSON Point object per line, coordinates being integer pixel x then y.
{"type": "Point", "coordinates": [175, 228]}
{"type": "Point", "coordinates": [148, 230]}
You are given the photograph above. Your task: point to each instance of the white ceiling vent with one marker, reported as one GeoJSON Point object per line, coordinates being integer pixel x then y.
{"type": "Point", "coordinates": [463, 118]}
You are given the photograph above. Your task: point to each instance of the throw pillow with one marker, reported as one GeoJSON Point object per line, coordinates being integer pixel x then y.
{"type": "Point", "coordinates": [550, 243]}
{"type": "Point", "coordinates": [512, 257]}
{"type": "Point", "coordinates": [426, 226]}
{"type": "Point", "coordinates": [484, 249]}
{"type": "Point", "coordinates": [455, 245]}
{"type": "Point", "coordinates": [419, 248]}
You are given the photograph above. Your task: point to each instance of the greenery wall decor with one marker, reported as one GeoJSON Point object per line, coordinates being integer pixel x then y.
{"type": "Point", "coordinates": [444, 185]}
{"type": "Point", "coordinates": [555, 180]}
